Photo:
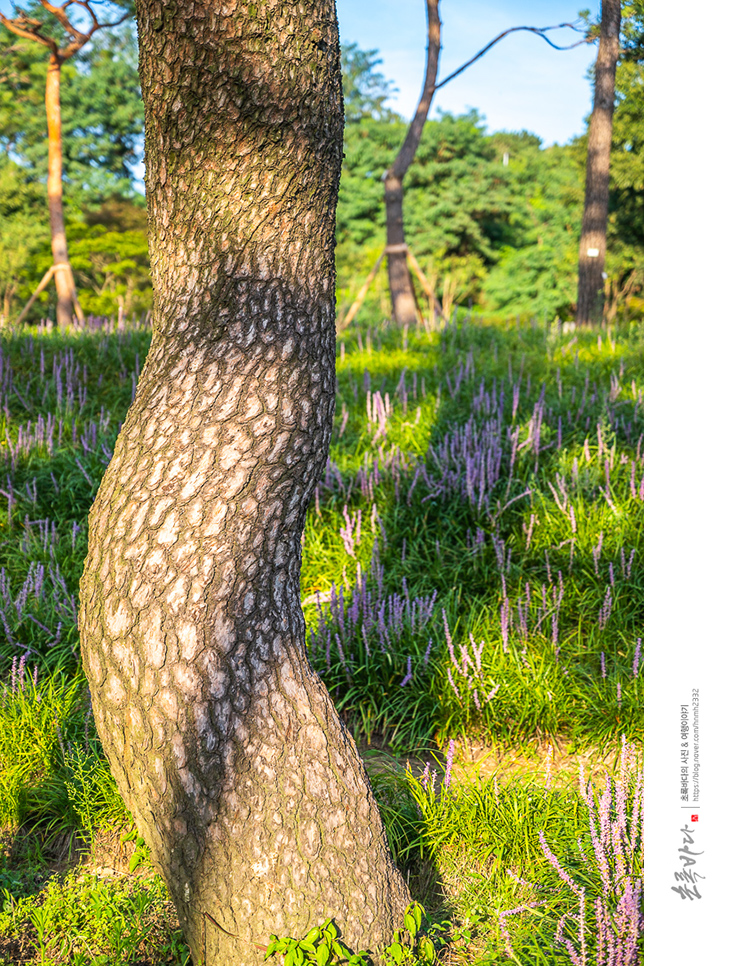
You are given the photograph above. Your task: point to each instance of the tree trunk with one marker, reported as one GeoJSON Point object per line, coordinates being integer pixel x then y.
{"type": "Point", "coordinates": [224, 743]}
{"type": "Point", "coordinates": [402, 295]}
{"type": "Point", "coordinates": [63, 277]}
{"type": "Point", "coordinates": [592, 251]}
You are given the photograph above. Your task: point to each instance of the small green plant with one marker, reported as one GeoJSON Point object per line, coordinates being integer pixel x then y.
{"type": "Point", "coordinates": [141, 854]}
{"type": "Point", "coordinates": [320, 946]}
{"type": "Point", "coordinates": [410, 945]}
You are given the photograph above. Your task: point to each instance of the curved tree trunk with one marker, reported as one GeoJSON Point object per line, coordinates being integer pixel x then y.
{"type": "Point", "coordinates": [63, 277]}
{"type": "Point", "coordinates": [592, 250]}
{"type": "Point", "coordinates": [402, 295]}
{"type": "Point", "coordinates": [224, 743]}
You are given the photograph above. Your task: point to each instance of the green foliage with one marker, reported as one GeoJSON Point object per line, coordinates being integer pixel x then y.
{"type": "Point", "coordinates": [494, 219]}
{"type": "Point", "coordinates": [320, 946]}
{"type": "Point", "coordinates": [93, 795]}
{"type": "Point", "coordinates": [34, 716]}
{"type": "Point", "coordinates": [102, 119]}
{"type": "Point", "coordinates": [112, 268]}
{"type": "Point", "coordinates": [101, 109]}
{"type": "Point", "coordinates": [411, 945]}
{"type": "Point", "coordinates": [141, 854]}
{"type": "Point", "coordinates": [534, 864]}
{"type": "Point", "coordinates": [364, 89]}
{"type": "Point", "coordinates": [417, 942]}
{"type": "Point", "coordinates": [85, 920]}
{"type": "Point", "coordinates": [24, 233]}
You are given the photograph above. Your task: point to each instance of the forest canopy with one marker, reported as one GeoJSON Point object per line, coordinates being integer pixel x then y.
{"type": "Point", "coordinates": [493, 217]}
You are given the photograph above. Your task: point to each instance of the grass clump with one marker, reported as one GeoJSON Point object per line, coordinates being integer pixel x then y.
{"type": "Point", "coordinates": [86, 919]}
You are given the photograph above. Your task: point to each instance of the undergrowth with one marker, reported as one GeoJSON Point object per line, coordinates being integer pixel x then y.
{"type": "Point", "coordinates": [472, 570]}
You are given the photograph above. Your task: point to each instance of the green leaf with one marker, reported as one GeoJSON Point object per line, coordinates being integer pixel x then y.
{"type": "Point", "coordinates": [427, 950]}
{"type": "Point", "coordinates": [416, 910]}
{"type": "Point", "coordinates": [397, 951]}
{"type": "Point", "coordinates": [410, 923]}
{"type": "Point", "coordinates": [294, 955]}
{"type": "Point", "coordinates": [272, 948]}
{"type": "Point", "coordinates": [323, 954]}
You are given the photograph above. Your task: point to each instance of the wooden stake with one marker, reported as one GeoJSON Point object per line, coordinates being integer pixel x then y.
{"type": "Point", "coordinates": [41, 285]}
{"type": "Point", "coordinates": [423, 280]}
{"type": "Point", "coordinates": [356, 305]}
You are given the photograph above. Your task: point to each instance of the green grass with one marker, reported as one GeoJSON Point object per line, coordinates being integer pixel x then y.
{"type": "Point", "coordinates": [507, 615]}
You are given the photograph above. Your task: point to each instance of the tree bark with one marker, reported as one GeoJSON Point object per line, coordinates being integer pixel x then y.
{"type": "Point", "coordinates": [592, 250]}
{"type": "Point", "coordinates": [402, 295]}
{"type": "Point", "coordinates": [224, 743]}
{"type": "Point", "coordinates": [63, 277]}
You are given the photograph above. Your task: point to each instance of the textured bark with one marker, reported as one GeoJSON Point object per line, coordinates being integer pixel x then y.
{"type": "Point", "coordinates": [63, 277]}
{"type": "Point", "coordinates": [402, 295]}
{"type": "Point", "coordinates": [224, 743]}
{"type": "Point", "coordinates": [595, 213]}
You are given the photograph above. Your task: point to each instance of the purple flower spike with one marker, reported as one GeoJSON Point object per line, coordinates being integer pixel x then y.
{"type": "Point", "coordinates": [637, 658]}
{"type": "Point", "coordinates": [449, 764]}
{"type": "Point", "coordinates": [409, 674]}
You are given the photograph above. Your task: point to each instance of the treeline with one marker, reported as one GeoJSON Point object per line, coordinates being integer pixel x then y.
{"type": "Point", "coordinates": [493, 218]}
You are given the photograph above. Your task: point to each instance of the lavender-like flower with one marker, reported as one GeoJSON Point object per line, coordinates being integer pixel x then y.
{"type": "Point", "coordinates": [449, 764]}
{"type": "Point", "coordinates": [637, 659]}
{"type": "Point", "coordinates": [409, 674]}
{"type": "Point", "coordinates": [554, 862]}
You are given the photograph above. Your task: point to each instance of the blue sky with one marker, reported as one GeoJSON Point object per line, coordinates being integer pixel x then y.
{"type": "Point", "coordinates": [522, 83]}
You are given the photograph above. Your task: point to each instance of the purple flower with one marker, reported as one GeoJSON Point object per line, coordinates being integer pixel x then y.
{"type": "Point", "coordinates": [409, 674]}
{"type": "Point", "coordinates": [637, 658]}
{"type": "Point", "coordinates": [449, 764]}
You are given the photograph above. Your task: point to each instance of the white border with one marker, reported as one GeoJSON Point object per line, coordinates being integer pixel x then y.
{"type": "Point", "coordinates": [688, 447]}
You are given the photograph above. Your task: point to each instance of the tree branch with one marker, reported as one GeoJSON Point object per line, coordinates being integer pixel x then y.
{"type": "Point", "coordinates": [410, 145]}
{"type": "Point", "coordinates": [540, 31]}
{"type": "Point", "coordinates": [13, 27]}
{"type": "Point", "coordinates": [60, 14]}
{"type": "Point", "coordinates": [87, 8]}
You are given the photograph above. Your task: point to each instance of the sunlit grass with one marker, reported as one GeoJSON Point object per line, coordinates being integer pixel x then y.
{"type": "Point", "coordinates": [492, 472]}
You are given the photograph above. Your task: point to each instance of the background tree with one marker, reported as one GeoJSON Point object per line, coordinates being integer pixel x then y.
{"type": "Point", "coordinates": [63, 39]}
{"type": "Point", "coordinates": [364, 89]}
{"type": "Point", "coordinates": [402, 294]}
{"type": "Point", "coordinates": [223, 742]}
{"type": "Point", "coordinates": [401, 284]}
{"type": "Point", "coordinates": [625, 232]}
{"type": "Point", "coordinates": [592, 250]}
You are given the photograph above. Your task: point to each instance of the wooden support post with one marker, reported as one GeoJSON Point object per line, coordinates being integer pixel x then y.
{"type": "Point", "coordinates": [424, 281]}
{"type": "Point", "coordinates": [41, 285]}
{"type": "Point", "coordinates": [355, 307]}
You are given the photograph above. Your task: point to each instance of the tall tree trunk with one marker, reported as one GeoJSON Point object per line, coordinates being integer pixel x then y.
{"type": "Point", "coordinates": [592, 250]}
{"type": "Point", "coordinates": [402, 295]}
{"type": "Point", "coordinates": [63, 277]}
{"type": "Point", "coordinates": [224, 743]}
